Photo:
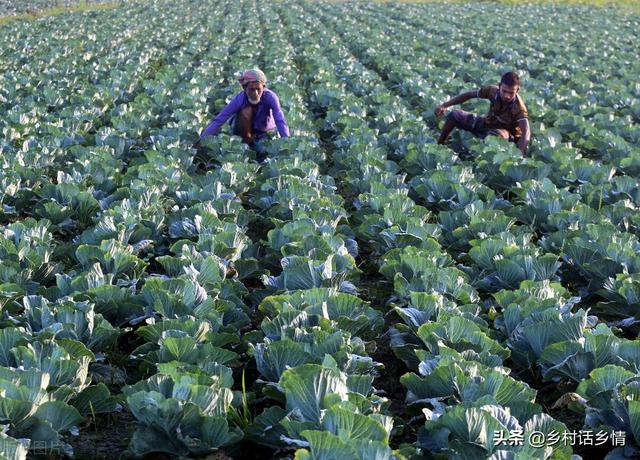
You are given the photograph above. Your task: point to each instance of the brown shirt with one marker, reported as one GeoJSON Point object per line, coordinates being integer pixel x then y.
{"type": "Point", "coordinates": [501, 115]}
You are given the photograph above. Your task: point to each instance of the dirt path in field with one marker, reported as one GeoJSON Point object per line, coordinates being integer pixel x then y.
{"type": "Point", "coordinates": [106, 436]}
{"type": "Point", "coordinates": [35, 14]}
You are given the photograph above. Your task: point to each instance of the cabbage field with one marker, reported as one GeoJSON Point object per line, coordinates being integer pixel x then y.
{"type": "Point", "coordinates": [364, 293]}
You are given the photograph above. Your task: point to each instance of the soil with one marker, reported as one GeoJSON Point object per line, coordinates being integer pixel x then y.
{"type": "Point", "coordinates": [106, 436]}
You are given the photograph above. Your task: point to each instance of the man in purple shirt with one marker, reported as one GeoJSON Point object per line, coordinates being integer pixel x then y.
{"type": "Point", "coordinates": [253, 112]}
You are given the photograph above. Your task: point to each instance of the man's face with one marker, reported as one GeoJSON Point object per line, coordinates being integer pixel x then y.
{"type": "Point", "coordinates": [254, 91]}
{"type": "Point", "coordinates": [508, 93]}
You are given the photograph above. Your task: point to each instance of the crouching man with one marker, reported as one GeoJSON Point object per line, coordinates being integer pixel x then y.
{"type": "Point", "coordinates": [253, 113]}
{"type": "Point", "coordinates": [507, 117]}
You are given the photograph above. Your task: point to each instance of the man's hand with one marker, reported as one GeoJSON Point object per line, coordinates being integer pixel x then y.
{"type": "Point", "coordinates": [459, 99]}
{"type": "Point", "coordinates": [440, 110]}
{"type": "Point", "coordinates": [525, 135]}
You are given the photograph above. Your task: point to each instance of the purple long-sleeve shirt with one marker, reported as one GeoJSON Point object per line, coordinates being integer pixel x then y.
{"type": "Point", "coordinates": [268, 115]}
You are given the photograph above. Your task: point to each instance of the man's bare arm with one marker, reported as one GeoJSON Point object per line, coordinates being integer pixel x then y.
{"type": "Point", "coordinates": [464, 97]}
{"type": "Point", "coordinates": [525, 136]}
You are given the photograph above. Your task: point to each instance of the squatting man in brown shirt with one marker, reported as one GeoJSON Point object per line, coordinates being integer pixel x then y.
{"type": "Point", "coordinates": [507, 117]}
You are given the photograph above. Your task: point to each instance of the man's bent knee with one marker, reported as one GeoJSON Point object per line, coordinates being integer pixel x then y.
{"type": "Point", "coordinates": [464, 120]}
{"type": "Point", "coordinates": [456, 117]}
{"type": "Point", "coordinates": [244, 124]}
{"type": "Point", "coordinates": [246, 113]}
{"type": "Point", "coordinates": [503, 133]}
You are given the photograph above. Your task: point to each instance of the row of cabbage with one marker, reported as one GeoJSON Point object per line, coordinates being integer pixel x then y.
{"type": "Point", "coordinates": [469, 386]}
{"type": "Point", "coordinates": [94, 263]}
{"type": "Point", "coordinates": [307, 350]}
{"type": "Point", "coordinates": [314, 356]}
{"type": "Point", "coordinates": [164, 274]}
{"type": "Point", "coordinates": [469, 214]}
